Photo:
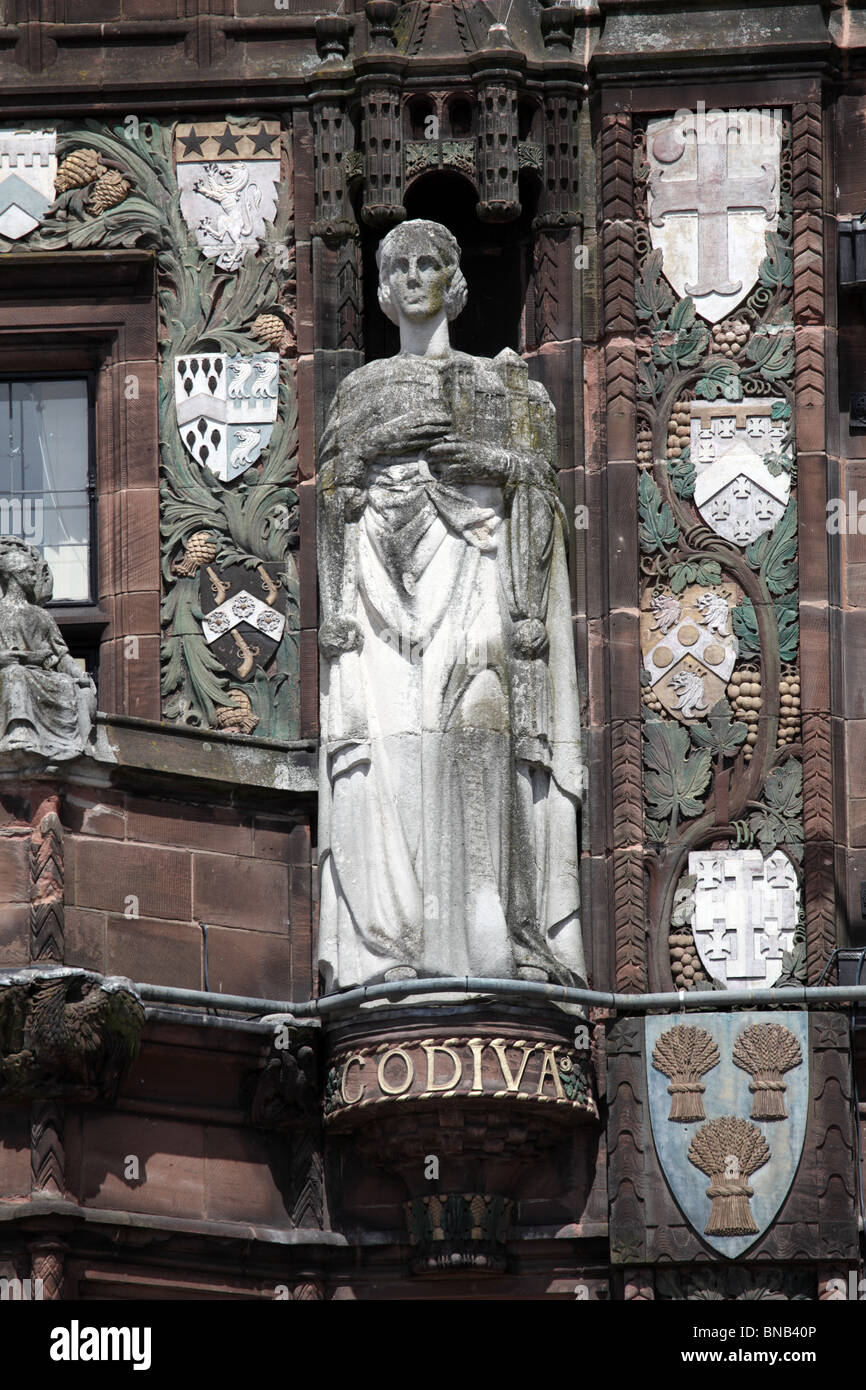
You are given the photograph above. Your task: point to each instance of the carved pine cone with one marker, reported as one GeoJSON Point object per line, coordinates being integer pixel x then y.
{"type": "Point", "coordinates": [271, 330]}
{"type": "Point", "coordinates": [78, 169]}
{"type": "Point", "coordinates": [199, 550]}
{"type": "Point", "coordinates": [238, 717]}
{"type": "Point", "coordinates": [111, 189]}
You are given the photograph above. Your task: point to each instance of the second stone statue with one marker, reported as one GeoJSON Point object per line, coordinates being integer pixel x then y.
{"type": "Point", "coordinates": [451, 766]}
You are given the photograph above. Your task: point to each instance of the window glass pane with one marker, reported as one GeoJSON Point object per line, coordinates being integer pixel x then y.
{"type": "Point", "coordinates": [44, 428]}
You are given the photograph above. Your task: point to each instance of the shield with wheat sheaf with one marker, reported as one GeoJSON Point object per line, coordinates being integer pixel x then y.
{"type": "Point", "coordinates": [728, 1098]}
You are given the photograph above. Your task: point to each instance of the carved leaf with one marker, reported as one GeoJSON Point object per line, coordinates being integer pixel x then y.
{"type": "Point", "coordinates": [777, 269]}
{"type": "Point", "coordinates": [722, 379]}
{"type": "Point", "coordinates": [772, 351]}
{"type": "Point", "coordinates": [721, 734]}
{"type": "Point", "coordinates": [653, 296]}
{"type": "Point", "coordinates": [682, 475]}
{"type": "Point", "coordinates": [675, 780]}
{"type": "Point", "coordinates": [778, 824]}
{"type": "Point", "coordinates": [687, 572]}
{"type": "Point", "coordinates": [657, 530]}
{"type": "Point", "coordinates": [774, 553]}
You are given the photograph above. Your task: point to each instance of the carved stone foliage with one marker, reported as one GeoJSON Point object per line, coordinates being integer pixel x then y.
{"type": "Point", "coordinates": [248, 517]}
{"type": "Point", "coordinates": [65, 1033]}
{"type": "Point", "coordinates": [736, 1285]}
{"type": "Point", "coordinates": [718, 521]}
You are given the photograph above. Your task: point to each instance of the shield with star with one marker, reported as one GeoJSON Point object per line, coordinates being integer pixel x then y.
{"type": "Point", "coordinates": [243, 614]}
{"type": "Point", "coordinates": [226, 407]}
{"type": "Point", "coordinates": [728, 1100]}
{"type": "Point", "coordinates": [712, 195]}
{"type": "Point", "coordinates": [228, 176]}
{"type": "Point", "coordinates": [688, 646]}
{"type": "Point", "coordinates": [28, 166]}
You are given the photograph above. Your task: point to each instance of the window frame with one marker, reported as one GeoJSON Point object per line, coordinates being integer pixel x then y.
{"type": "Point", "coordinates": [87, 374]}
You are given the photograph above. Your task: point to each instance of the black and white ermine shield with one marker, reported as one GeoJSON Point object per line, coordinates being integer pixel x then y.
{"type": "Point", "coordinates": [244, 615]}
{"type": "Point", "coordinates": [728, 1098]}
{"type": "Point", "coordinates": [226, 408]}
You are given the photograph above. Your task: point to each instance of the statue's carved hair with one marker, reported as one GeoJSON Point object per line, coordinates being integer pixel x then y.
{"type": "Point", "coordinates": [442, 242]}
{"type": "Point", "coordinates": [16, 555]}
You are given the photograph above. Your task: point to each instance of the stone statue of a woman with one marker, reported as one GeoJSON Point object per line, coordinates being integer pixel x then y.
{"type": "Point", "coordinates": [47, 703]}
{"type": "Point", "coordinates": [450, 752]}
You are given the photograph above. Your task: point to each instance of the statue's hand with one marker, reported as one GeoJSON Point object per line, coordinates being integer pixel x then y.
{"type": "Point", "coordinates": [529, 638]}
{"type": "Point", "coordinates": [462, 461]}
{"type": "Point", "coordinates": [407, 434]}
{"type": "Point", "coordinates": [339, 635]}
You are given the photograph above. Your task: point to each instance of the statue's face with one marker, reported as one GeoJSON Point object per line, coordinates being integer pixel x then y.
{"type": "Point", "coordinates": [417, 280]}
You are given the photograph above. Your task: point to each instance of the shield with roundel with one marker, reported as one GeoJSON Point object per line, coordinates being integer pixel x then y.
{"type": "Point", "coordinates": [688, 646]}
{"type": "Point", "coordinates": [728, 1100]}
{"type": "Point", "coordinates": [243, 614]}
{"type": "Point", "coordinates": [226, 408]}
{"type": "Point", "coordinates": [28, 167]}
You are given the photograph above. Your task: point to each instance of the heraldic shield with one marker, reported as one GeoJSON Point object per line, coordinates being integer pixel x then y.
{"type": "Point", "coordinates": [226, 408]}
{"type": "Point", "coordinates": [728, 1096]}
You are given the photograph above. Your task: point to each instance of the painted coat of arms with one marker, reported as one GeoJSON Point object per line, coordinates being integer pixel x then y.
{"type": "Point", "coordinates": [728, 1097]}
{"type": "Point", "coordinates": [228, 177]}
{"type": "Point", "coordinates": [28, 166]}
{"type": "Point", "coordinates": [742, 459]}
{"type": "Point", "coordinates": [688, 646]}
{"type": "Point", "coordinates": [226, 408]}
{"type": "Point", "coordinates": [243, 615]}
{"type": "Point", "coordinates": [745, 914]}
{"type": "Point", "coordinates": [713, 195]}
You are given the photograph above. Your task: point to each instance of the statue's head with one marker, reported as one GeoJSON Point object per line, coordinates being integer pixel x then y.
{"type": "Point", "coordinates": [24, 563]}
{"type": "Point", "coordinates": [419, 272]}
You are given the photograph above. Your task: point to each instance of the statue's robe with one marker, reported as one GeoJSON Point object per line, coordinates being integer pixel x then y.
{"type": "Point", "coordinates": [450, 764]}
{"type": "Point", "coordinates": [42, 709]}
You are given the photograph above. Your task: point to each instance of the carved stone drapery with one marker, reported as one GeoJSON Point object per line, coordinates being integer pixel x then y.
{"type": "Point", "coordinates": [450, 729]}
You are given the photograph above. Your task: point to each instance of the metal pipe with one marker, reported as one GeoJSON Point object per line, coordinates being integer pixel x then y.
{"type": "Point", "coordinates": [528, 990]}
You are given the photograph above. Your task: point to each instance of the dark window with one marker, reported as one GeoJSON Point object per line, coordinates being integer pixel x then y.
{"type": "Point", "coordinates": [46, 475]}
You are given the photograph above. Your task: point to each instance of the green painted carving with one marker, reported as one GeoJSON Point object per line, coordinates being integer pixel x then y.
{"type": "Point", "coordinates": [675, 779]}
{"type": "Point", "coordinates": [251, 523]}
{"type": "Point", "coordinates": [731, 775]}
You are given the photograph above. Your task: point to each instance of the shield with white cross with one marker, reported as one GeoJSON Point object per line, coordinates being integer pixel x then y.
{"type": "Point", "coordinates": [688, 646]}
{"type": "Point", "coordinates": [745, 914]}
{"type": "Point", "coordinates": [742, 458]}
{"type": "Point", "coordinates": [728, 1101]}
{"type": "Point", "coordinates": [713, 194]}
{"type": "Point", "coordinates": [226, 408]}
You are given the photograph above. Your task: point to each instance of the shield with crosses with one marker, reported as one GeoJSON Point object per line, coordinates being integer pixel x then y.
{"type": "Point", "coordinates": [745, 914]}
{"type": "Point", "coordinates": [688, 646]}
{"type": "Point", "coordinates": [226, 408]}
{"type": "Point", "coordinates": [244, 614]}
{"type": "Point", "coordinates": [742, 458]}
{"type": "Point", "coordinates": [228, 175]}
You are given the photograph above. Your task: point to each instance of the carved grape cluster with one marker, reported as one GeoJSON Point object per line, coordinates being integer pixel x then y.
{"type": "Point", "coordinates": [744, 693]}
{"type": "Point", "coordinates": [728, 339]}
{"type": "Point", "coordinates": [789, 700]}
{"type": "Point", "coordinates": [679, 429]}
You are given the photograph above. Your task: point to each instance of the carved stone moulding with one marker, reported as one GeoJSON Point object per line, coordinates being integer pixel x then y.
{"type": "Point", "coordinates": [458, 1230]}
{"type": "Point", "coordinates": [485, 1092]}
